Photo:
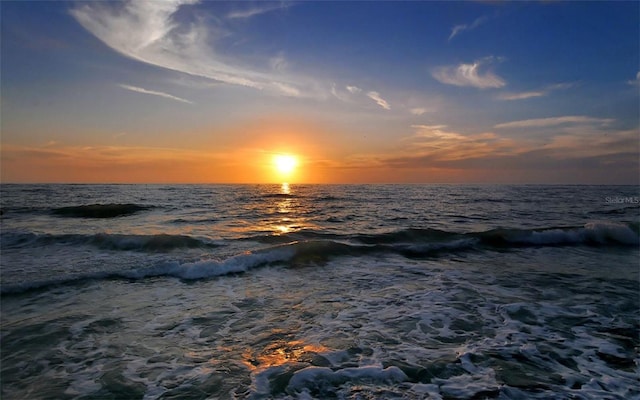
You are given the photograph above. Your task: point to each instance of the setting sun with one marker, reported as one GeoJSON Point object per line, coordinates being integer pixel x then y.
{"type": "Point", "coordinates": [285, 164]}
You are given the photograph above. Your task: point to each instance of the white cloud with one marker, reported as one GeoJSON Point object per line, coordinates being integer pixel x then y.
{"type": "Point", "coordinates": [375, 96]}
{"type": "Point", "coordinates": [636, 81]}
{"type": "Point", "coordinates": [356, 95]}
{"type": "Point", "coordinates": [339, 95]}
{"type": "Point", "coordinates": [148, 31]}
{"type": "Point", "coordinates": [250, 12]}
{"type": "Point", "coordinates": [469, 75]}
{"type": "Point", "coordinates": [287, 90]}
{"type": "Point", "coordinates": [418, 111]}
{"type": "Point", "coordinates": [467, 27]}
{"type": "Point", "coordinates": [521, 95]}
{"type": "Point", "coordinates": [554, 121]}
{"type": "Point", "coordinates": [426, 130]}
{"type": "Point", "coordinates": [155, 93]}
{"type": "Point", "coordinates": [535, 93]}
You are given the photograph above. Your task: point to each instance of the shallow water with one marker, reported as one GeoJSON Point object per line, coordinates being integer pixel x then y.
{"type": "Point", "coordinates": [354, 292]}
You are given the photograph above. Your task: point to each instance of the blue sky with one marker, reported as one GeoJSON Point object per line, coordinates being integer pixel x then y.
{"type": "Point", "coordinates": [187, 91]}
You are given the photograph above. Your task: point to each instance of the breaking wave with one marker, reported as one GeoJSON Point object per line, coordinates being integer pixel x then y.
{"type": "Point", "coordinates": [322, 248]}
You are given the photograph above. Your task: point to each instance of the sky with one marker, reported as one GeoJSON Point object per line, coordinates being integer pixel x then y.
{"type": "Point", "coordinates": [187, 91]}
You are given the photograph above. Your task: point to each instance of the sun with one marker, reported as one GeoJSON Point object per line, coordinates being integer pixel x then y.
{"type": "Point", "coordinates": [285, 164]}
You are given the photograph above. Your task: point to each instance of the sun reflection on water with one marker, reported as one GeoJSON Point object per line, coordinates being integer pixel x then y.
{"type": "Point", "coordinates": [287, 204]}
{"type": "Point", "coordinates": [281, 352]}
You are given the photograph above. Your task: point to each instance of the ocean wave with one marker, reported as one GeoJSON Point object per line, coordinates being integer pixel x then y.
{"type": "Point", "coordinates": [308, 242]}
{"type": "Point", "coordinates": [99, 210]}
{"type": "Point", "coordinates": [145, 243]}
{"type": "Point", "coordinates": [411, 235]}
{"type": "Point", "coordinates": [429, 239]}
{"type": "Point", "coordinates": [410, 243]}
{"type": "Point", "coordinates": [186, 271]}
{"type": "Point", "coordinates": [592, 233]}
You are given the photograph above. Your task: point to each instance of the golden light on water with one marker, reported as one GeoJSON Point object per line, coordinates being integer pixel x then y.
{"type": "Point", "coordinates": [285, 188]}
{"type": "Point", "coordinates": [281, 352]}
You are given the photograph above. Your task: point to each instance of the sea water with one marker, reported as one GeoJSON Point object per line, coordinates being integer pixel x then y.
{"type": "Point", "coordinates": [319, 291]}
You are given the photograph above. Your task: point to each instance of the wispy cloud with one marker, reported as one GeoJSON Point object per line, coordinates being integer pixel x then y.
{"type": "Point", "coordinates": [535, 93]}
{"type": "Point", "coordinates": [348, 94]}
{"type": "Point", "coordinates": [554, 121]}
{"type": "Point", "coordinates": [440, 143]}
{"type": "Point", "coordinates": [635, 82]}
{"type": "Point", "coordinates": [375, 96]}
{"type": "Point", "coordinates": [148, 31]}
{"type": "Point", "coordinates": [582, 154]}
{"type": "Point", "coordinates": [155, 93]}
{"type": "Point", "coordinates": [279, 63]}
{"type": "Point", "coordinates": [469, 75]}
{"type": "Point", "coordinates": [456, 30]}
{"type": "Point", "coordinates": [418, 110]}
{"type": "Point", "coordinates": [257, 10]}
{"type": "Point", "coordinates": [286, 89]}
{"type": "Point", "coordinates": [356, 95]}
{"type": "Point", "coordinates": [522, 95]}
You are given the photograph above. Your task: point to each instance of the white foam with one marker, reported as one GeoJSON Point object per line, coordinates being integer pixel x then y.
{"type": "Point", "coordinates": [619, 232]}
{"type": "Point", "coordinates": [592, 232]}
{"type": "Point", "coordinates": [241, 263]}
{"type": "Point", "coordinates": [468, 386]}
{"type": "Point", "coordinates": [212, 268]}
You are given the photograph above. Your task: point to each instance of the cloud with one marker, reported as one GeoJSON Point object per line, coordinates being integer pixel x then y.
{"type": "Point", "coordinates": [418, 111]}
{"type": "Point", "coordinates": [585, 143]}
{"type": "Point", "coordinates": [279, 63]}
{"type": "Point", "coordinates": [436, 142]}
{"type": "Point", "coordinates": [554, 121]}
{"type": "Point", "coordinates": [250, 12]}
{"type": "Point", "coordinates": [338, 94]}
{"type": "Point", "coordinates": [635, 82]}
{"type": "Point", "coordinates": [349, 95]}
{"type": "Point", "coordinates": [149, 32]}
{"type": "Point", "coordinates": [356, 95]}
{"type": "Point", "coordinates": [580, 156]}
{"type": "Point", "coordinates": [287, 89]}
{"type": "Point", "coordinates": [430, 129]}
{"type": "Point", "coordinates": [467, 27]}
{"type": "Point", "coordinates": [469, 75]}
{"type": "Point", "coordinates": [155, 93]}
{"type": "Point", "coordinates": [521, 95]}
{"type": "Point", "coordinates": [375, 96]}
{"type": "Point", "coordinates": [537, 93]}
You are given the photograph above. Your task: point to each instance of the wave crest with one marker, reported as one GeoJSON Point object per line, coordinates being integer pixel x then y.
{"type": "Point", "coordinates": [145, 243]}
{"type": "Point", "coordinates": [317, 251]}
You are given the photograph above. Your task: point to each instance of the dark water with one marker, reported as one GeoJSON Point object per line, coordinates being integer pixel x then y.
{"type": "Point", "coordinates": [320, 291]}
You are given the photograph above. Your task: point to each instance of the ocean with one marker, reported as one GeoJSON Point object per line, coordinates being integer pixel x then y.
{"type": "Point", "coordinates": [320, 292]}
